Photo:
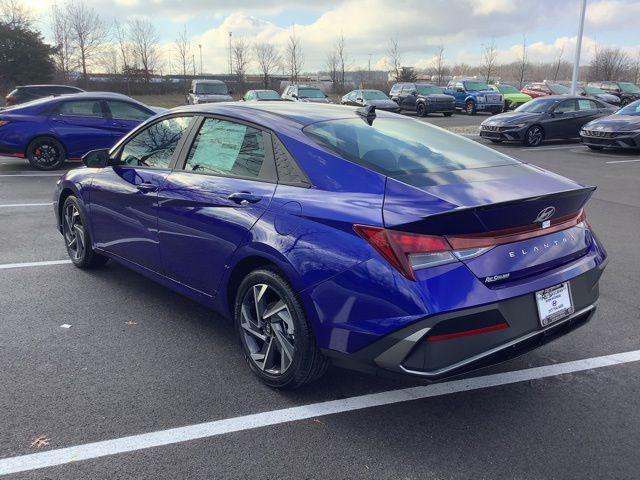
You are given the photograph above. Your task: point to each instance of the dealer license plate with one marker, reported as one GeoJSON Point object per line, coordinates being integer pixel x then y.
{"type": "Point", "coordinates": [554, 303]}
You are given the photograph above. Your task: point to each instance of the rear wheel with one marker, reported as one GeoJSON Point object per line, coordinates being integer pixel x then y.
{"type": "Point", "coordinates": [276, 337]}
{"type": "Point", "coordinates": [470, 107]}
{"type": "Point", "coordinates": [45, 153]}
{"type": "Point", "coordinates": [76, 236]}
{"type": "Point", "coordinates": [421, 110]}
{"type": "Point", "coordinates": [533, 136]}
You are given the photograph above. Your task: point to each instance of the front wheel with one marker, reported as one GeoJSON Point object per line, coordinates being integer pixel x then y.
{"type": "Point", "coordinates": [533, 136]}
{"type": "Point", "coordinates": [470, 107]}
{"type": "Point", "coordinates": [45, 153]}
{"type": "Point", "coordinates": [421, 110]}
{"type": "Point", "coordinates": [276, 338]}
{"type": "Point", "coordinates": [76, 236]}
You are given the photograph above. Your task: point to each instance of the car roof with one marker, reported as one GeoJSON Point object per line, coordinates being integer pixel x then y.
{"type": "Point", "coordinates": [204, 80]}
{"type": "Point", "coordinates": [48, 86]}
{"type": "Point", "coordinates": [299, 113]}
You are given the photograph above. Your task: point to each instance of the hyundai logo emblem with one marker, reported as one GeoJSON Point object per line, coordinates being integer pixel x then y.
{"type": "Point", "coordinates": [545, 214]}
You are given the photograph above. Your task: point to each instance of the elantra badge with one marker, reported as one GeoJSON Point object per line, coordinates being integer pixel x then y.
{"type": "Point", "coordinates": [544, 215]}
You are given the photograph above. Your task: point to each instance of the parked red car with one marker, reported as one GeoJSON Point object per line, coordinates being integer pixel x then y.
{"type": "Point", "coordinates": [542, 89]}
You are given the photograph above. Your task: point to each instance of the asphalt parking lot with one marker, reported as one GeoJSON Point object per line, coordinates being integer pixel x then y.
{"type": "Point", "coordinates": [138, 362]}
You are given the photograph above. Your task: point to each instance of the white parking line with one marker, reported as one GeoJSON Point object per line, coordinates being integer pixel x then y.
{"type": "Point", "coordinates": [247, 422]}
{"type": "Point", "coordinates": [4, 266]}
{"type": "Point", "coordinates": [625, 161]}
{"type": "Point", "coordinates": [11, 205]}
{"type": "Point", "coordinates": [20, 174]}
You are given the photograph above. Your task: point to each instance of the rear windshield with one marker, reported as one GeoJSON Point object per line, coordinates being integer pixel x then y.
{"type": "Point", "coordinates": [310, 93]}
{"type": "Point", "coordinates": [401, 147]}
{"type": "Point", "coordinates": [593, 90]}
{"type": "Point", "coordinates": [267, 95]}
{"type": "Point", "coordinates": [507, 89]}
{"type": "Point", "coordinates": [211, 89]}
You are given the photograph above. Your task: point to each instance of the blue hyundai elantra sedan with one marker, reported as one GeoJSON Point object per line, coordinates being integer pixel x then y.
{"type": "Point", "coordinates": [340, 235]}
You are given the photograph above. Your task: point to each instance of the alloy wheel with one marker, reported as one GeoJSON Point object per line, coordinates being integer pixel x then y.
{"type": "Point", "coordinates": [267, 329]}
{"type": "Point", "coordinates": [534, 136]}
{"type": "Point", "coordinates": [74, 233]}
{"type": "Point", "coordinates": [46, 154]}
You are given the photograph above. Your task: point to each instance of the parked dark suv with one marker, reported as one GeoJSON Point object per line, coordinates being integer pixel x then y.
{"type": "Point", "coordinates": [627, 92]}
{"type": "Point", "coordinates": [27, 93]}
{"type": "Point", "coordinates": [422, 98]}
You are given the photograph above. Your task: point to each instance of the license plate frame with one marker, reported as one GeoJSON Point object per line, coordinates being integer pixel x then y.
{"type": "Point", "coordinates": [554, 303]}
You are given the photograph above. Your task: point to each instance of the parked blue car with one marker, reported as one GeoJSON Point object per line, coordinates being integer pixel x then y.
{"type": "Point", "coordinates": [473, 95]}
{"type": "Point", "coordinates": [331, 234]}
{"type": "Point", "coordinates": [50, 130]}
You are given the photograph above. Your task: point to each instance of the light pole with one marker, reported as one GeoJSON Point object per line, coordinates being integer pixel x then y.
{"type": "Point", "coordinates": [200, 48]}
{"type": "Point", "coordinates": [576, 60]}
{"type": "Point", "coordinates": [369, 71]}
{"type": "Point", "coordinates": [230, 62]}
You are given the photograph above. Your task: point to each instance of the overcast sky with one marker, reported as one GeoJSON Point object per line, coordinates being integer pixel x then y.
{"type": "Point", "coordinates": [461, 25]}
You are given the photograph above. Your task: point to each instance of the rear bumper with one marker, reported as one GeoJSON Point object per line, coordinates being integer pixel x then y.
{"type": "Point", "coordinates": [409, 351]}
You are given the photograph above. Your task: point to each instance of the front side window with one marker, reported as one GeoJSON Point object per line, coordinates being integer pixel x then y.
{"type": "Point", "coordinates": [127, 111]}
{"type": "Point", "coordinates": [226, 148]}
{"type": "Point", "coordinates": [154, 146]}
{"type": "Point", "coordinates": [566, 106]}
{"type": "Point", "coordinates": [85, 108]}
{"type": "Point", "coordinates": [539, 105]}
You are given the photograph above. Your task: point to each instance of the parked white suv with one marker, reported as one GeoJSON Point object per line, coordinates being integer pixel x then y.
{"type": "Point", "coordinates": [303, 93]}
{"type": "Point", "coordinates": [208, 91]}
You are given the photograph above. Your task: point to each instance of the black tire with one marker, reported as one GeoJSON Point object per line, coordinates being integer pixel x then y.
{"type": "Point", "coordinates": [307, 363]}
{"type": "Point", "coordinates": [421, 110]}
{"type": "Point", "coordinates": [46, 153]}
{"type": "Point", "coordinates": [534, 136]}
{"type": "Point", "coordinates": [624, 102]}
{"type": "Point", "coordinates": [74, 228]}
{"type": "Point", "coordinates": [595, 147]}
{"type": "Point", "coordinates": [470, 107]}
{"type": "Point", "coordinates": [447, 114]}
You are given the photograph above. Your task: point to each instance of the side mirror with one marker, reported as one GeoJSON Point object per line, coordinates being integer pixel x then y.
{"type": "Point", "coordinates": [460, 89]}
{"type": "Point", "coordinates": [414, 93]}
{"type": "Point", "coordinates": [190, 90]}
{"type": "Point", "coordinates": [96, 158]}
{"type": "Point", "coordinates": [557, 113]}
{"type": "Point", "coordinates": [359, 99]}
{"type": "Point", "coordinates": [294, 95]}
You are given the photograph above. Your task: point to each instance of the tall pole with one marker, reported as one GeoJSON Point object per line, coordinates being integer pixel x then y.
{"type": "Point", "coordinates": [369, 73]}
{"type": "Point", "coordinates": [576, 60]}
{"type": "Point", "coordinates": [230, 62]}
{"type": "Point", "coordinates": [200, 47]}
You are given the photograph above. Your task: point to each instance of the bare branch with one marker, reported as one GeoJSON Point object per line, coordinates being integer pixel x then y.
{"type": "Point", "coordinates": [488, 60]}
{"type": "Point", "coordinates": [294, 56]}
{"type": "Point", "coordinates": [268, 60]}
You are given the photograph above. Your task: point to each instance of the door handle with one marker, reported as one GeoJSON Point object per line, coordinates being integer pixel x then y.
{"type": "Point", "coordinates": [243, 198]}
{"type": "Point", "coordinates": [147, 187]}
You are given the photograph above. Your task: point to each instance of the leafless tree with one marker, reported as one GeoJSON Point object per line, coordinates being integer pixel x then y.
{"type": "Point", "coordinates": [182, 46]}
{"type": "Point", "coordinates": [439, 64]}
{"type": "Point", "coordinates": [341, 55]}
{"type": "Point", "coordinates": [558, 63]}
{"type": "Point", "coordinates": [15, 13]}
{"type": "Point", "coordinates": [489, 58]}
{"type": "Point", "coordinates": [294, 56]}
{"type": "Point", "coordinates": [88, 31]}
{"type": "Point", "coordinates": [108, 59]}
{"type": "Point", "coordinates": [332, 65]}
{"type": "Point", "coordinates": [394, 58]}
{"type": "Point", "coordinates": [125, 52]}
{"type": "Point", "coordinates": [268, 60]}
{"type": "Point", "coordinates": [461, 69]}
{"type": "Point", "coordinates": [636, 69]}
{"type": "Point", "coordinates": [609, 63]}
{"type": "Point", "coordinates": [523, 62]}
{"type": "Point", "coordinates": [65, 53]}
{"type": "Point", "coordinates": [144, 40]}
{"type": "Point", "coordinates": [240, 52]}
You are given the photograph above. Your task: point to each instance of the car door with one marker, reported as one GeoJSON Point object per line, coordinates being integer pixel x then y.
{"type": "Point", "coordinates": [81, 125]}
{"type": "Point", "coordinates": [124, 117]}
{"type": "Point", "coordinates": [459, 94]}
{"type": "Point", "coordinates": [208, 207]}
{"type": "Point", "coordinates": [562, 121]}
{"type": "Point", "coordinates": [124, 195]}
{"type": "Point", "coordinates": [408, 97]}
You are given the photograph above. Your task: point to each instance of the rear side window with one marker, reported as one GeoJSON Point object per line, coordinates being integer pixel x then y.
{"type": "Point", "coordinates": [585, 104]}
{"type": "Point", "coordinates": [127, 111]}
{"type": "Point", "coordinates": [86, 108]}
{"type": "Point", "coordinates": [400, 148]}
{"type": "Point", "coordinates": [154, 146]}
{"type": "Point", "coordinates": [227, 148]}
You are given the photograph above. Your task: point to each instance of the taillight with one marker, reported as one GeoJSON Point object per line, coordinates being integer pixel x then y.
{"type": "Point", "coordinates": [410, 251]}
{"type": "Point", "coordinates": [10, 98]}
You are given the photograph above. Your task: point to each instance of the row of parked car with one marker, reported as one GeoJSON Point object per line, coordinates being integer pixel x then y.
{"type": "Point", "coordinates": [67, 122]}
